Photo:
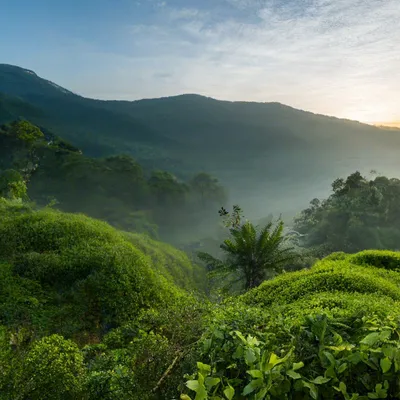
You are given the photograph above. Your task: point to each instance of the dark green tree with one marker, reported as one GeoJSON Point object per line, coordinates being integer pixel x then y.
{"type": "Point", "coordinates": [208, 189]}
{"type": "Point", "coordinates": [361, 213]}
{"type": "Point", "coordinates": [167, 189]}
{"type": "Point", "coordinates": [30, 137]}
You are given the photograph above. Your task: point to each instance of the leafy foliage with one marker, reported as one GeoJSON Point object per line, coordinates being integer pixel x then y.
{"type": "Point", "coordinates": [325, 276]}
{"type": "Point", "coordinates": [252, 254]}
{"type": "Point", "coordinates": [12, 185]}
{"type": "Point", "coordinates": [93, 277]}
{"type": "Point", "coordinates": [116, 189]}
{"type": "Point", "coordinates": [52, 369]}
{"type": "Point", "coordinates": [360, 214]}
{"type": "Point", "coordinates": [247, 367]}
{"type": "Point", "coordinates": [306, 335]}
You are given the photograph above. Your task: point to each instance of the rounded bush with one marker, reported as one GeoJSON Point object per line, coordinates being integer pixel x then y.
{"type": "Point", "coordinates": [325, 276]}
{"type": "Point", "coordinates": [342, 305]}
{"type": "Point", "coordinates": [377, 258]}
{"type": "Point", "coordinates": [170, 262]}
{"type": "Point", "coordinates": [94, 278]}
{"type": "Point", "coordinates": [339, 255]}
{"type": "Point", "coordinates": [53, 369]}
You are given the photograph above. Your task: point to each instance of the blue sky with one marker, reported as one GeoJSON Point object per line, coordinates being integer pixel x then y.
{"type": "Point", "coordinates": [336, 57]}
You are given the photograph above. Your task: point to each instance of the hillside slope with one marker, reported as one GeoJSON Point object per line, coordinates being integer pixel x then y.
{"type": "Point", "coordinates": [260, 149]}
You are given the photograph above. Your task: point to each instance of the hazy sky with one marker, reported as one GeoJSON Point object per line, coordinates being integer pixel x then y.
{"type": "Point", "coordinates": [336, 57]}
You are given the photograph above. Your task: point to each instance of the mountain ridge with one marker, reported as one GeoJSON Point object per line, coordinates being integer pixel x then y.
{"type": "Point", "coordinates": [258, 150]}
{"type": "Point", "coordinates": [183, 96]}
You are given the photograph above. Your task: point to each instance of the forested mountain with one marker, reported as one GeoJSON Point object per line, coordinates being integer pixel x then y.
{"type": "Point", "coordinates": [114, 188]}
{"type": "Point", "coordinates": [101, 309]}
{"type": "Point", "coordinates": [244, 144]}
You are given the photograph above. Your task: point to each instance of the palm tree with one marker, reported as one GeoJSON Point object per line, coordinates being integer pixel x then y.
{"type": "Point", "coordinates": [252, 255]}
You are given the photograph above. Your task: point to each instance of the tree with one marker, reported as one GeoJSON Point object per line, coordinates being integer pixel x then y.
{"type": "Point", "coordinates": [26, 159]}
{"type": "Point", "coordinates": [12, 185]}
{"type": "Point", "coordinates": [360, 214]}
{"type": "Point", "coordinates": [251, 254]}
{"type": "Point", "coordinates": [208, 188]}
{"type": "Point", "coordinates": [25, 131]}
{"type": "Point", "coordinates": [167, 189]}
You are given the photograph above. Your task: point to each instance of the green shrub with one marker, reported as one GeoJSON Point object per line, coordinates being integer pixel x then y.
{"type": "Point", "coordinates": [241, 366]}
{"type": "Point", "coordinates": [129, 372]}
{"type": "Point", "coordinates": [325, 276]}
{"type": "Point", "coordinates": [21, 299]}
{"type": "Point", "coordinates": [93, 277]}
{"type": "Point", "coordinates": [341, 306]}
{"type": "Point", "coordinates": [339, 255]}
{"type": "Point", "coordinates": [377, 258]}
{"type": "Point", "coordinates": [173, 264]}
{"type": "Point", "coordinates": [53, 369]}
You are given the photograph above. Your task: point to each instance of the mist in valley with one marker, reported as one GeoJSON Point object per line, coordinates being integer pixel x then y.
{"type": "Point", "coordinates": [199, 200]}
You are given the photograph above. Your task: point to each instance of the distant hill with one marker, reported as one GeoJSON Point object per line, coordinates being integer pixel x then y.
{"type": "Point", "coordinates": [271, 155]}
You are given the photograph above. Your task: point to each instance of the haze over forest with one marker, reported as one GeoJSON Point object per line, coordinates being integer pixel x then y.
{"type": "Point", "coordinates": [199, 200]}
{"type": "Point", "coordinates": [244, 144]}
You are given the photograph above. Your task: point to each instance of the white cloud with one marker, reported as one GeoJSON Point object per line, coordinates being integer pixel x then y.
{"type": "Point", "coordinates": [337, 57]}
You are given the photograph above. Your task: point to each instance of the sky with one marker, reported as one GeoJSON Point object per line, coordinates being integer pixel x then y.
{"type": "Point", "coordinates": [334, 57]}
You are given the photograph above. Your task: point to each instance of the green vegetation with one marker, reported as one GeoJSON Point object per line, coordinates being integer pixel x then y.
{"type": "Point", "coordinates": [190, 133]}
{"type": "Point", "coordinates": [327, 333]}
{"type": "Point", "coordinates": [115, 189]}
{"type": "Point", "coordinates": [86, 311]}
{"type": "Point", "coordinates": [103, 309]}
{"type": "Point", "coordinates": [252, 254]}
{"type": "Point", "coordinates": [360, 214]}
{"type": "Point", "coordinates": [89, 312]}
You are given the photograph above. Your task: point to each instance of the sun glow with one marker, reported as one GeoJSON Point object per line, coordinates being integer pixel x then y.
{"type": "Point", "coordinates": [373, 115]}
{"type": "Point", "coordinates": [394, 124]}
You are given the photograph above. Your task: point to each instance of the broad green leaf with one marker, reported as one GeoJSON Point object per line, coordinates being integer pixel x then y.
{"type": "Point", "coordinates": [389, 351]}
{"type": "Point", "coordinates": [252, 341]}
{"type": "Point", "coordinates": [297, 366]}
{"type": "Point", "coordinates": [293, 374]}
{"type": "Point", "coordinates": [386, 385]}
{"type": "Point", "coordinates": [207, 345]}
{"type": "Point", "coordinates": [255, 373]}
{"type": "Point", "coordinates": [342, 388]}
{"type": "Point", "coordinates": [252, 386]}
{"type": "Point", "coordinates": [386, 364]}
{"type": "Point", "coordinates": [201, 393]}
{"type": "Point", "coordinates": [342, 368]}
{"type": "Point", "coordinates": [385, 335]}
{"type": "Point", "coordinates": [342, 347]}
{"type": "Point", "coordinates": [354, 358]}
{"type": "Point", "coordinates": [203, 368]}
{"type": "Point", "coordinates": [261, 394]}
{"type": "Point", "coordinates": [330, 358]}
{"type": "Point", "coordinates": [198, 387]}
{"type": "Point", "coordinates": [313, 389]}
{"type": "Point", "coordinates": [193, 385]}
{"type": "Point", "coordinates": [320, 380]}
{"type": "Point", "coordinates": [273, 359]}
{"type": "Point", "coordinates": [185, 397]}
{"type": "Point", "coordinates": [238, 352]}
{"type": "Point", "coordinates": [241, 337]}
{"type": "Point", "coordinates": [371, 339]}
{"type": "Point", "coordinates": [229, 392]}
{"type": "Point", "coordinates": [211, 382]}
{"type": "Point", "coordinates": [249, 356]}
